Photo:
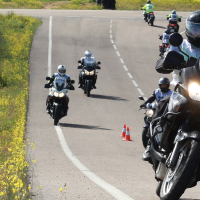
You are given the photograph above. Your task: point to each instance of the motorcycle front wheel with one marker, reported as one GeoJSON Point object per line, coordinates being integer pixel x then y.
{"type": "Point", "coordinates": [88, 89]}
{"type": "Point", "coordinates": [57, 114]}
{"type": "Point", "coordinates": [144, 136]}
{"type": "Point", "coordinates": [178, 178]}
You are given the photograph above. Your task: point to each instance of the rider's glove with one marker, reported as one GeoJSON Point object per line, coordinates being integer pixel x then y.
{"type": "Point", "coordinates": [143, 105]}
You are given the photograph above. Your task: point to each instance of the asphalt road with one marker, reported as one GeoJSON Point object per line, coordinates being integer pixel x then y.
{"type": "Point", "coordinates": [93, 125]}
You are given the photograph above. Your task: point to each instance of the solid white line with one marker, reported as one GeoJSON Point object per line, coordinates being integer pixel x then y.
{"type": "Point", "coordinates": [110, 36]}
{"type": "Point", "coordinates": [140, 91]}
{"type": "Point", "coordinates": [119, 195]}
{"type": "Point", "coordinates": [50, 46]}
{"type": "Point", "coordinates": [121, 60]}
{"type": "Point", "coordinates": [118, 53]}
{"type": "Point", "coordinates": [112, 41]}
{"type": "Point", "coordinates": [115, 47]}
{"type": "Point", "coordinates": [129, 75]}
{"type": "Point", "coordinates": [125, 67]}
{"type": "Point", "coordinates": [136, 85]}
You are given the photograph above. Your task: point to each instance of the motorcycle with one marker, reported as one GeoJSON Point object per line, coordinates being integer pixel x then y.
{"type": "Point", "coordinates": [88, 75]}
{"type": "Point", "coordinates": [173, 23]}
{"type": "Point", "coordinates": [148, 17]}
{"type": "Point", "coordinates": [58, 97]}
{"type": "Point", "coordinates": [149, 111]}
{"type": "Point", "coordinates": [163, 46]}
{"type": "Point", "coordinates": [175, 136]}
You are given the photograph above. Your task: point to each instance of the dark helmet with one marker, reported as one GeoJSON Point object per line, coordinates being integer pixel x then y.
{"type": "Point", "coordinates": [165, 81]}
{"type": "Point", "coordinates": [193, 28]}
{"type": "Point", "coordinates": [173, 12]}
{"type": "Point", "coordinates": [148, 2]}
{"type": "Point", "coordinates": [167, 31]}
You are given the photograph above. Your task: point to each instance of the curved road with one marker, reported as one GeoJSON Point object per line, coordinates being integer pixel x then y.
{"type": "Point", "coordinates": [108, 168]}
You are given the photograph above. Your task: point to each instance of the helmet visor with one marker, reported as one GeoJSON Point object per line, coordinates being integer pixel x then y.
{"type": "Point", "coordinates": [193, 29]}
{"type": "Point", "coordinates": [62, 70]}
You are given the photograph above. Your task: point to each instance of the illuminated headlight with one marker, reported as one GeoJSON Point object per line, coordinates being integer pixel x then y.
{"type": "Point", "coordinates": [55, 94]}
{"type": "Point", "coordinates": [194, 91]}
{"type": "Point", "coordinates": [149, 113]}
{"type": "Point", "coordinates": [92, 72]}
{"type": "Point", "coordinates": [87, 73]}
{"type": "Point", "coordinates": [62, 94]}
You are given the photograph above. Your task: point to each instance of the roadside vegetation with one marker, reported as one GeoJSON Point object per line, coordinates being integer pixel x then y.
{"type": "Point", "coordinates": [179, 5]}
{"type": "Point", "coordinates": [16, 33]}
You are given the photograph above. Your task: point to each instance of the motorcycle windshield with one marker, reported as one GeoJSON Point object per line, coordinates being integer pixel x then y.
{"type": "Point", "coordinates": [59, 83]}
{"type": "Point", "coordinates": [191, 75]}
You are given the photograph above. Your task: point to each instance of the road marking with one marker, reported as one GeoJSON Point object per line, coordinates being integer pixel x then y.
{"type": "Point", "coordinates": [118, 53]}
{"type": "Point", "coordinates": [115, 47]}
{"type": "Point", "coordinates": [110, 31]}
{"type": "Point", "coordinates": [50, 46]}
{"type": "Point", "coordinates": [112, 41]}
{"type": "Point", "coordinates": [121, 60]}
{"type": "Point", "coordinates": [111, 21]}
{"type": "Point", "coordinates": [110, 36]}
{"type": "Point", "coordinates": [182, 32]}
{"type": "Point", "coordinates": [145, 98]}
{"type": "Point", "coordinates": [125, 67]}
{"type": "Point", "coordinates": [134, 82]}
{"type": "Point", "coordinates": [72, 16]}
{"type": "Point", "coordinates": [129, 75]}
{"type": "Point", "coordinates": [87, 172]}
{"type": "Point", "coordinates": [140, 91]}
{"type": "Point", "coordinates": [118, 194]}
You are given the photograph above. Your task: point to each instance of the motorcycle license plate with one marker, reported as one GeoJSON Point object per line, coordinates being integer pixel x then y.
{"type": "Point", "coordinates": [151, 15]}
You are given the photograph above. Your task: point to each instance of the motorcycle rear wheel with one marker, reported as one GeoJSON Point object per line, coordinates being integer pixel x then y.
{"type": "Point", "coordinates": [57, 114]}
{"type": "Point", "coordinates": [177, 179]}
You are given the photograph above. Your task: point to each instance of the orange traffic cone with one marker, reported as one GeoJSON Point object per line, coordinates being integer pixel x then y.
{"type": "Point", "coordinates": [123, 131]}
{"type": "Point", "coordinates": [127, 137]}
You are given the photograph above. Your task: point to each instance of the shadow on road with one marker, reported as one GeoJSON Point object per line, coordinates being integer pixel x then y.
{"type": "Point", "coordinates": [159, 27]}
{"type": "Point", "coordinates": [98, 96]}
{"type": "Point", "coordinates": [188, 199]}
{"type": "Point", "coordinates": [82, 126]}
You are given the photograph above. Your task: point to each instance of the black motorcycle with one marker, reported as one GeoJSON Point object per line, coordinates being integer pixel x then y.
{"type": "Point", "coordinates": [175, 136]}
{"type": "Point", "coordinates": [58, 97]}
{"type": "Point", "coordinates": [149, 111]}
{"type": "Point", "coordinates": [88, 76]}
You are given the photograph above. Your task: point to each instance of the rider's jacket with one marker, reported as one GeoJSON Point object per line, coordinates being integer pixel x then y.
{"type": "Point", "coordinates": [67, 77]}
{"type": "Point", "coordinates": [173, 16]}
{"type": "Point", "coordinates": [190, 50]}
{"type": "Point", "coordinates": [158, 95]}
{"type": "Point", "coordinates": [149, 8]}
{"type": "Point", "coordinates": [85, 61]}
{"type": "Point", "coordinates": [165, 38]}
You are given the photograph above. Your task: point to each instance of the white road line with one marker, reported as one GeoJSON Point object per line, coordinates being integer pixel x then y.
{"type": "Point", "coordinates": [111, 21]}
{"type": "Point", "coordinates": [118, 194]}
{"type": "Point", "coordinates": [134, 82]}
{"type": "Point", "coordinates": [140, 91]}
{"type": "Point", "coordinates": [110, 31]}
{"type": "Point", "coordinates": [50, 46]}
{"type": "Point", "coordinates": [125, 67]}
{"type": "Point", "coordinates": [115, 47]}
{"type": "Point", "coordinates": [121, 60]}
{"type": "Point", "coordinates": [112, 41]}
{"type": "Point", "coordinates": [129, 75]}
{"type": "Point", "coordinates": [118, 53]}
{"type": "Point", "coordinates": [145, 98]}
{"type": "Point", "coordinates": [110, 36]}
{"type": "Point", "coordinates": [182, 32]}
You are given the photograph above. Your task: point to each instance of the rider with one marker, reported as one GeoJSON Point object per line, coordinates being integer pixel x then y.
{"type": "Point", "coordinates": [148, 8]}
{"type": "Point", "coordinates": [173, 18]}
{"type": "Point", "coordinates": [84, 61]}
{"type": "Point", "coordinates": [190, 46]}
{"type": "Point", "coordinates": [165, 39]}
{"type": "Point", "coordinates": [61, 72]}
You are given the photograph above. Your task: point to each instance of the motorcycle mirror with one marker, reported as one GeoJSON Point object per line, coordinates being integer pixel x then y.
{"type": "Point", "coordinates": [141, 98]}
{"type": "Point", "coordinates": [98, 62]}
{"type": "Point", "coordinates": [47, 86]}
{"type": "Point", "coordinates": [79, 61]}
{"type": "Point", "coordinates": [80, 67]}
{"type": "Point", "coordinates": [175, 39]}
{"type": "Point", "coordinates": [48, 78]}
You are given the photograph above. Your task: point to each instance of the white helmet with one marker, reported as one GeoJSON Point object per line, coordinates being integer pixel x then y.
{"type": "Point", "coordinates": [61, 70]}
{"type": "Point", "coordinates": [88, 54]}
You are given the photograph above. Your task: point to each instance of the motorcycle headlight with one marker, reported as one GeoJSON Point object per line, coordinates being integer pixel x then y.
{"type": "Point", "coordinates": [194, 91]}
{"type": "Point", "coordinates": [92, 72]}
{"type": "Point", "coordinates": [149, 113]}
{"type": "Point", "coordinates": [55, 94]}
{"type": "Point", "coordinates": [62, 94]}
{"type": "Point", "coordinates": [87, 73]}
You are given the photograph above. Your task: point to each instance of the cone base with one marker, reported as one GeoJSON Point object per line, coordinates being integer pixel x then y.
{"type": "Point", "coordinates": [127, 139]}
